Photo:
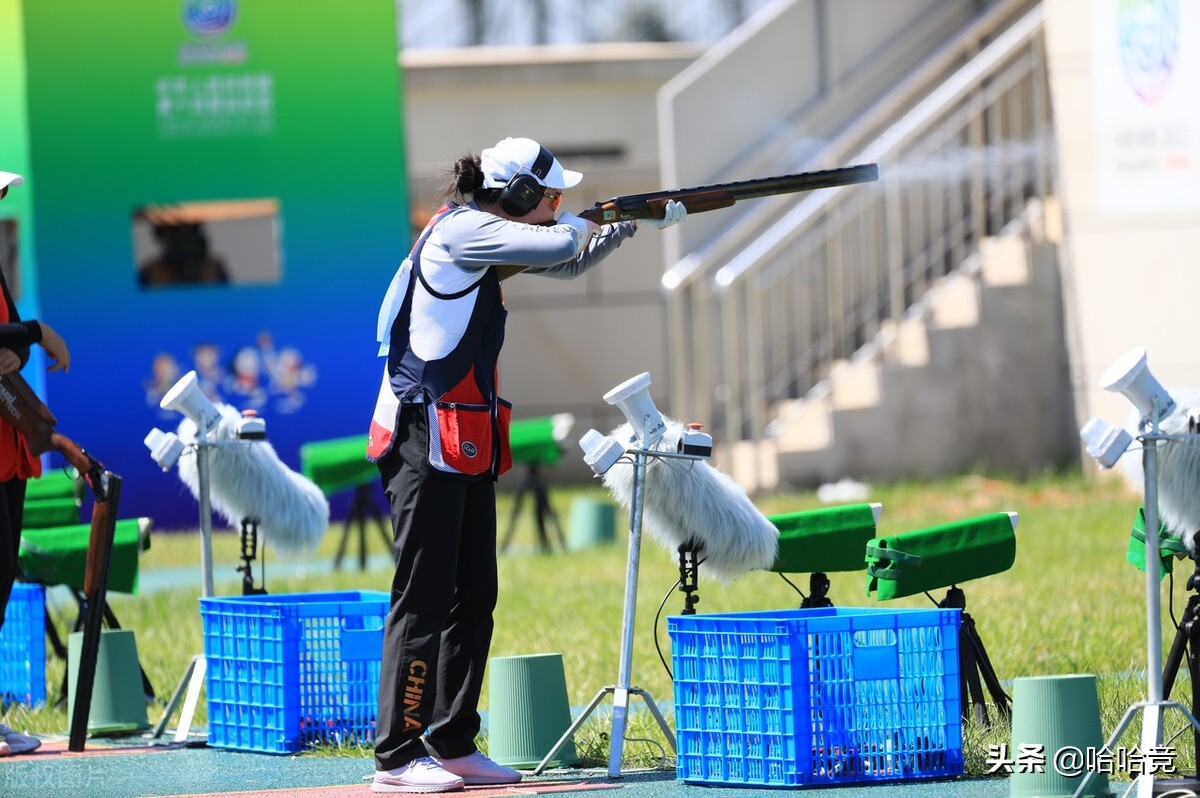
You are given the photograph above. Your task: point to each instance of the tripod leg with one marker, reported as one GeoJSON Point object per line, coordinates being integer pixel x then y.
{"type": "Point", "coordinates": [539, 511]}
{"type": "Point", "coordinates": [999, 697]}
{"type": "Point", "coordinates": [574, 727]}
{"type": "Point", "coordinates": [383, 524]}
{"type": "Point", "coordinates": [616, 739]}
{"type": "Point", "coordinates": [662, 723]}
{"type": "Point", "coordinates": [516, 511]}
{"type": "Point", "coordinates": [1193, 668]}
{"type": "Point", "coordinates": [195, 685]}
{"type": "Point", "coordinates": [972, 697]}
{"type": "Point", "coordinates": [1175, 656]}
{"type": "Point", "coordinates": [341, 550]}
{"type": "Point", "coordinates": [170, 708]}
{"type": "Point", "coordinates": [362, 542]}
{"type": "Point", "coordinates": [546, 515]}
{"type": "Point", "coordinates": [552, 517]}
{"type": "Point", "coordinates": [61, 652]}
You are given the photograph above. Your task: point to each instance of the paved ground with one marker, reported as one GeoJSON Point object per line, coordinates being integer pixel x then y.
{"type": "Point", "coordinates": [209, 772]}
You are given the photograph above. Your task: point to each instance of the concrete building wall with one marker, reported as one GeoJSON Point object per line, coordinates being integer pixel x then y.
{"type": "Point", "coordinates": [1130, 261]}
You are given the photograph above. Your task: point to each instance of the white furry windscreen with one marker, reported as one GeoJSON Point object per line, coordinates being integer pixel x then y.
{"type": "Point", "coordinates": [248, 480]}
{"type": "Point", "coordinates": [689, 501]}
{"type": "Point", "coordinates": [1177, 464]}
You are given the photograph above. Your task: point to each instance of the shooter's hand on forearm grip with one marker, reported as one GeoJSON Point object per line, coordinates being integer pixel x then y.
{"type": "Point", "coordinates": [673, 213]}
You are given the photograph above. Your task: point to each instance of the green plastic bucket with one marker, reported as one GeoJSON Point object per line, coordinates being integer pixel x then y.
{"type": "Point", "coordinates": [118, 701]}
{"type": "Point", "coordinates": [593, 523]}
{"type": "Point", "coordinates": [1055, 712]}
{"type": "Point", "coordinates": [528, 710]}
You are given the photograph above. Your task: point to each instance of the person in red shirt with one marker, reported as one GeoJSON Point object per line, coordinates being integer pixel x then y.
{"type": "Point", "coordinates": [17, 464]}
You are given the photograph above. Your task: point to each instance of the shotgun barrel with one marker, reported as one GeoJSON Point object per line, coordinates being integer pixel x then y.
{"type": "Point", "coordinates": [721, 195]}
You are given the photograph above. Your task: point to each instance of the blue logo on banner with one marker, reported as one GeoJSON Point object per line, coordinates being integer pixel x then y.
{"type": "Point", "coordinates": [1149, 33]}
{"type": "Point", "coordinates": [208, 17]}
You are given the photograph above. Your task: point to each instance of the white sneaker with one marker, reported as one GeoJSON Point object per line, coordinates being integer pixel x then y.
{"type": "Point", "coordinates": [420, 775]}
{"type": "Point", "coordinates": [475, 768]}
{"type": "Point", "coordinates": [16, 742]}
{"type": "Point", "coordinates": [4, 749]}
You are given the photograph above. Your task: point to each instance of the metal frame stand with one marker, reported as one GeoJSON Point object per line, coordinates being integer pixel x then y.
{"type": "Point", "coordinates": [193, 674]}
{"type": "Point", "coordinates": [1152, 708]}
{"type": "Point", "coordinates": [622, 690]}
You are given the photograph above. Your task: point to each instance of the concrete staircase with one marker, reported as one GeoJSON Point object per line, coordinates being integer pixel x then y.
{"type": "Point", "coordinates": [975, 376]}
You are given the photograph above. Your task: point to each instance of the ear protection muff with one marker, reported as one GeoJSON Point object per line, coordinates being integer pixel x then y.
{"type": "Point", "coordinates": [523, 191]}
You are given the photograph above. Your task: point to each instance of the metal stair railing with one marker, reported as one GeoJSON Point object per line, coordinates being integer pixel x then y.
{"type": "Point", "coordinates": [823, 280]}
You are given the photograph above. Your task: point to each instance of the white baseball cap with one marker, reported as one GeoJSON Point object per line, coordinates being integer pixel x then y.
{"type": "Point", "coordinates": [516, 156]}
{"type": "Point", "coordinates": [10, 179]}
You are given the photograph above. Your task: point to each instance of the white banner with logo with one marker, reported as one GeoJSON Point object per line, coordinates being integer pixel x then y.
{"type": "Point", "coordinates": [1146, 93]}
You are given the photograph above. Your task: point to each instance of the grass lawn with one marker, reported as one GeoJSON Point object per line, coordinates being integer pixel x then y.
{"type": "Point", "coordinates": [1070, 603]}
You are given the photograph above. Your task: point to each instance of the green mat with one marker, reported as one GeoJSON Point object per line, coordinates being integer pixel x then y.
{"type": "Point", "coordinates": [824, 540]}
{"type": "Point", "coordinates": [339, 464]}
{"type": "Point", "coordinates": [940, 556]}
{"type": "Point", "coordinates": [51, 500]}
{"type": "Point", "coordinates": [1169, 546]}
{"type": "Point", "coordinates": [532, 441]}
{"type": "Point", "coordinates": [40, 513]}
{"type": "Point", "coordinates": [50, 485]}
{"type": "Point", "coordinates": [58, 555]}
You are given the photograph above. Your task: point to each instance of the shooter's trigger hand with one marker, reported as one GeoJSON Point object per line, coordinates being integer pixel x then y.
{"type": "Point", "coordinates": [673, 213]}
{"type": "Point", "coordinates": [584, 229]}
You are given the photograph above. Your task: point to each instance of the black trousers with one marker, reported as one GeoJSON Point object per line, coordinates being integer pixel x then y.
{"type": "Point", "coordinates": [439, 629]}
{"type": "Point", "coordinates": [12, 511]}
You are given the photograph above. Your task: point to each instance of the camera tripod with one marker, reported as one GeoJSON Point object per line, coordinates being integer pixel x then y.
{"type": "Point", "coordinates": [818, 591]}
{"type": "Point", "coordinates": [975, 666]}
{"type": "Point", "coordinates": [543, 511]}
{"type": "Point", "coordinates": [362, 510]}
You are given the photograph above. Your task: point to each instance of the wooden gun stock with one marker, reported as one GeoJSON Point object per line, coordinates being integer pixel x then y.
{"type": "Point", "coordinates": [721, 195]}
{"type": "Point", "coordinates": [22, 408]}
{"type": "Point", "coordinates": [621, 209]}
{"type": "Point", "coordinates": [100, 541]}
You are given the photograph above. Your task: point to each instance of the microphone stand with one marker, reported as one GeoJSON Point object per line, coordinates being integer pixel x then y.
{"type": "Point", "coordinates": [193, 675]}
{"type": "Point", "coordinates": [1152, 708]}
{"type": "Point", "coordinates": [622, 690]}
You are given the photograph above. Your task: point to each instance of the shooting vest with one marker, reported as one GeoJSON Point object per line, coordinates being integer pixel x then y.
{"type": "Point", "coordinates": [468, 421]}
{"type": "Point", "coordinates": [15, 460]}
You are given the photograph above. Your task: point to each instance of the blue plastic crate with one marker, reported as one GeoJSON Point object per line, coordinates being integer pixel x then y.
{"type": "Point", "coordinates": [290, 670]}
{"type": "Point", "coordinates": [23, 646]}
{"type": "Point", "coordinates": [811, 697]}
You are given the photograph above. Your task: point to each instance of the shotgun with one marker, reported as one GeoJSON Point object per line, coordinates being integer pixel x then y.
{"type": "Point", "coordinates": [721, 195]}
{"type": "Point", "coordinates": [22, 408]}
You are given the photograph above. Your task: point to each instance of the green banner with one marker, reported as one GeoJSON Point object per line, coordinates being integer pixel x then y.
{"type": "Point", "coordinates": [217, 186]}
